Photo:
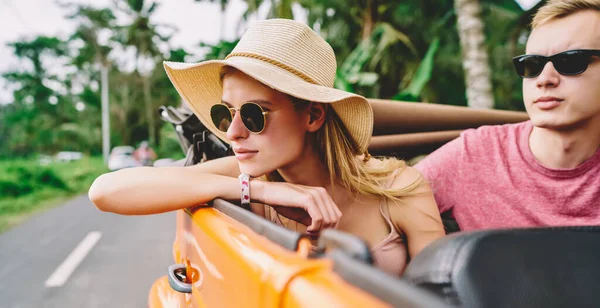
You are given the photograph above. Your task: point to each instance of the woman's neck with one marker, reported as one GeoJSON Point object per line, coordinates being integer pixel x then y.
{"type": "Point", "coordinates": [310, 171]}
{"type": "Point", "coordinates": [306, 170]}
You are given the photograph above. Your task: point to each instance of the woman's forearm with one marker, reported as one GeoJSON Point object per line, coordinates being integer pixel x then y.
{"type": "Point", "coordinates": [147, 190]}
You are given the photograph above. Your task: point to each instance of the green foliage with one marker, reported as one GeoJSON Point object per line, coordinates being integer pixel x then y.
{"type": "Point", "coordinates": [26, 186]}
{"type": "Point", "coordinates": [136, 5]}
{"type": "Point", "coordinates": [346, 24]}
{"type": "Point", "coordinates": [38, 47]}
{"type": "Point", "coordinates": [413, 92]}
{"type": "Point", "coordinates": [178, 55]}
{"type": "Point", "coordinates": [219, 50]}
{"type": "Point", "coordinates": [24, 176]}
{"type": "Point", "coordinates": [169, 145]}
{"type": "Point", "coordinates": [26, 179]}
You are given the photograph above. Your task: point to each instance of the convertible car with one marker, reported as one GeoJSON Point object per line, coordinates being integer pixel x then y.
{"type": "Point", "coordinates": [225, 256]}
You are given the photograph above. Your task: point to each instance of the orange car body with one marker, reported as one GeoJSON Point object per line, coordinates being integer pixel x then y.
{"type": "Point", "coordinates": [233, 266]}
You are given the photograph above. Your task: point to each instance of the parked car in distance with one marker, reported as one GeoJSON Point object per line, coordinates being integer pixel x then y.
{"type": "Point", "coordinates": [168, 162]}
{"type": "Point", "coordinates": [68, 156]}
{"type": "Point", "coordinates": [121, 157]}
{"type": "Point", "coordinates": [45, 160]}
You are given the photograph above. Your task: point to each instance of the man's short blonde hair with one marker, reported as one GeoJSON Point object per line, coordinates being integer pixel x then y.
{"type": "Point", "coordinates": [562, 8]}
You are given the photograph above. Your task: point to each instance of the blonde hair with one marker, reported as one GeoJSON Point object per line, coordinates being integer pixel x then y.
{"type": "Point", "coordinates": [344, 164]}
{"type": "Point", "coordinates": [555, 9]}
{"type": "Point", "coordinates": [353, 172]}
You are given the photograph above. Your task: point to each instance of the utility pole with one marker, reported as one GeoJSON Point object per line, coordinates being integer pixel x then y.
{"type": "Point", "coordinates": [105, 114]}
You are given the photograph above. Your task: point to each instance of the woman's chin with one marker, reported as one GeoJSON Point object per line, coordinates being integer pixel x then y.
{"type": "Point", "coordinates": [252, 169]}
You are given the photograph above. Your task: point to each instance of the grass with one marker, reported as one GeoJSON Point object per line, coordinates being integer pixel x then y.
{"type": "Point", "coordinates": [27, 188]}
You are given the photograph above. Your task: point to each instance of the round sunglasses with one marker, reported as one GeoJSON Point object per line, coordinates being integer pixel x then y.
{"type": "Point", "coordinates": [570, 62]}
{"type": "Point", "coordinates": [253, 116]}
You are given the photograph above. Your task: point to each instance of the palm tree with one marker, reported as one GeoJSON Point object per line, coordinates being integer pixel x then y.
{"type": "Point", "coordinates": [91, 23]}
{"type": "Point", "coordinates": [376, 57]}
{"type": "Point", "coordinates": [475, 58]}
{"type": "Point", "coordinates": [144, 36]}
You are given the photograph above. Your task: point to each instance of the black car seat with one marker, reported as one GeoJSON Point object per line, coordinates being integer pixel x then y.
{"type": "Point", "coordinates": [541, 267]}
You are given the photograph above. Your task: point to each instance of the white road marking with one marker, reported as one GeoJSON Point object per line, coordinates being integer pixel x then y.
{"type": "Point", "coordinates": [64, 271]}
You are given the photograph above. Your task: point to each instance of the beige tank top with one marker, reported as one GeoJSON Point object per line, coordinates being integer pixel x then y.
{"type": "Point", "coordinates": [390, 255]}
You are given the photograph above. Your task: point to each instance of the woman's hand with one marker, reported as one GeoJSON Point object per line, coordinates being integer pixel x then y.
{"type": "Point", "coordinates": [311, 206]}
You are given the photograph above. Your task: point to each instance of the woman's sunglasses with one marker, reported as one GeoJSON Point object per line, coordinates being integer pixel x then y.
{"type": "Point", "coordinates": [570, 62]}
{"type": "Point", "coordinates": [253, 116]}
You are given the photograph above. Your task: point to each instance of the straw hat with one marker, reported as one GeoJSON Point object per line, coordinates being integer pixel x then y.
{"type": "Point", "coordinates": [285, 55]}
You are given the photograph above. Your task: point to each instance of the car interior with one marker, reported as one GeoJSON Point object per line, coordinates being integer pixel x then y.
{"type": "Point", "coordinates": [535, 267]}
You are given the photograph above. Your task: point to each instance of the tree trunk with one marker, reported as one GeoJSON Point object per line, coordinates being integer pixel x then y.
{"type": "Point", "coordinates": [475, 58]}
{"type": "Point", "coordinates": [369, 19]}
{"type": "Point", "coordinates": [149, 111]}
{"type": "Point", "coordinates": [125, 133]}
{"type": "Point", "coordinates": [105, 113]}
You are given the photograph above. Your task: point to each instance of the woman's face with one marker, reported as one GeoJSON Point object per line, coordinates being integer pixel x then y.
{"type": "Point", "coordinates": [283, 138]}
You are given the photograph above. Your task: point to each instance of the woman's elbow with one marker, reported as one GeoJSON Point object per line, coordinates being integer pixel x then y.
{"type": "Point", "coordinates": [100, 192]}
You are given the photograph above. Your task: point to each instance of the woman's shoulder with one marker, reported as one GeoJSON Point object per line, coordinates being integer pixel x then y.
{"type": "Point", "coordinates": [407, 176]}
{"type": "Point", "coordinates": [396, 172]}
{"type": "Point", "coordinates": [418, 209]}
{"type": "Point", "coordinates": [382, 164]}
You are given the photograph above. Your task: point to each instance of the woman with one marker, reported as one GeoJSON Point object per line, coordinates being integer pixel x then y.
{"type": "Point", "coordinates": [300, 146]}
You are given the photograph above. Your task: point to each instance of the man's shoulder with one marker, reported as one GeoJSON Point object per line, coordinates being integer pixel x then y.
{"type": "Point", "coordinates": [477, 145]}
{"type": "Point", "coordinates": [495, 133]}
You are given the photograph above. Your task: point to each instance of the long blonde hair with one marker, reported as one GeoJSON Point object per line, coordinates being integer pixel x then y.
{"type": "Point", "coordinates": [562, 8]}
{"type": "Point", "coordinates": [353, 170]}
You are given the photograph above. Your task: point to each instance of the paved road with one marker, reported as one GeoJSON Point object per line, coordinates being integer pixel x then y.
{"type": "Point", "coordinates": [131, 253]}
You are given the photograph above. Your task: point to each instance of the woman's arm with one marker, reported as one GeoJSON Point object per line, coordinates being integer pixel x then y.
{"type": "Point", "coordinates": [149, 190]}
{"type": "Point", "coordinates": [417, 215]}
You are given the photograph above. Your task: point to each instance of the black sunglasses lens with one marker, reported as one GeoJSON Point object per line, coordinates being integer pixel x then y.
{"type": "Point", "coordinates": [221, 117]}
{"type": "Point", "coordinates": [571, 62]}
{"type": "Point", "coordinates": [253, 118]}
{"type": "Point", "coordinates": [530, 66]}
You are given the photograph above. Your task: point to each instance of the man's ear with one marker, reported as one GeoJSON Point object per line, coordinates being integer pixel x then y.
{"type": "Point", "coordinates": [317, 114]}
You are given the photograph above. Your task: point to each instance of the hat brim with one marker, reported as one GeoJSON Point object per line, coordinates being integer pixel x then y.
{"type": "Point", "coordinates": [199, 84]}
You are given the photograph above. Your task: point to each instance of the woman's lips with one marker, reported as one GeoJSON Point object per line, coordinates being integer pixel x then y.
{"type": "Point", "coordinates": [244, 155]}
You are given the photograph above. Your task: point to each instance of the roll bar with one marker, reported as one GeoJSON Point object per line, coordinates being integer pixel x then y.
{"type": "Point", "coordinates": [278, 234]}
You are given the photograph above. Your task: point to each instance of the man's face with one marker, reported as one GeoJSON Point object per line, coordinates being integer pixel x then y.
{"type": "Point", "coordinates": [559, 102]}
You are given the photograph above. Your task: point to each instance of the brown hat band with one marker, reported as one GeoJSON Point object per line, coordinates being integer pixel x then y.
{"type": "Point", "coordinates": [274, 62]}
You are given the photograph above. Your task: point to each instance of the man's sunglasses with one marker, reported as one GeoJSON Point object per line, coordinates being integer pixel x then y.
{"type": "Point", "coordinates": [253, 116]}
{"type": "Point", "coordinates": [570, 62]}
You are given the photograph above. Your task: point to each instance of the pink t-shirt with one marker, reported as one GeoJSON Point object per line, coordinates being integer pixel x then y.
{"type": "Point", "coordinates": [489, 178]}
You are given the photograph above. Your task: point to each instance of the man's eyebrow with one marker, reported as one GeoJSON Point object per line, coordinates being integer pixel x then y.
{"type": "Point", "coordinates": [225, 103]}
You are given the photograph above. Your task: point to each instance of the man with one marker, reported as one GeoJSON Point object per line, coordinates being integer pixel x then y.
{"type": "Point", "coordinates": [546, 171]}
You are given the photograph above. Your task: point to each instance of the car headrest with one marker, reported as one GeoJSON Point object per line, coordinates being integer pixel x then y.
{"type": "Point", "coordinates": [540, 267]}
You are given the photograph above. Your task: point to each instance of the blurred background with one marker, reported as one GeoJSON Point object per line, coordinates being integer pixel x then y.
{"type": "Point", "coordinates": [65, 64]}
